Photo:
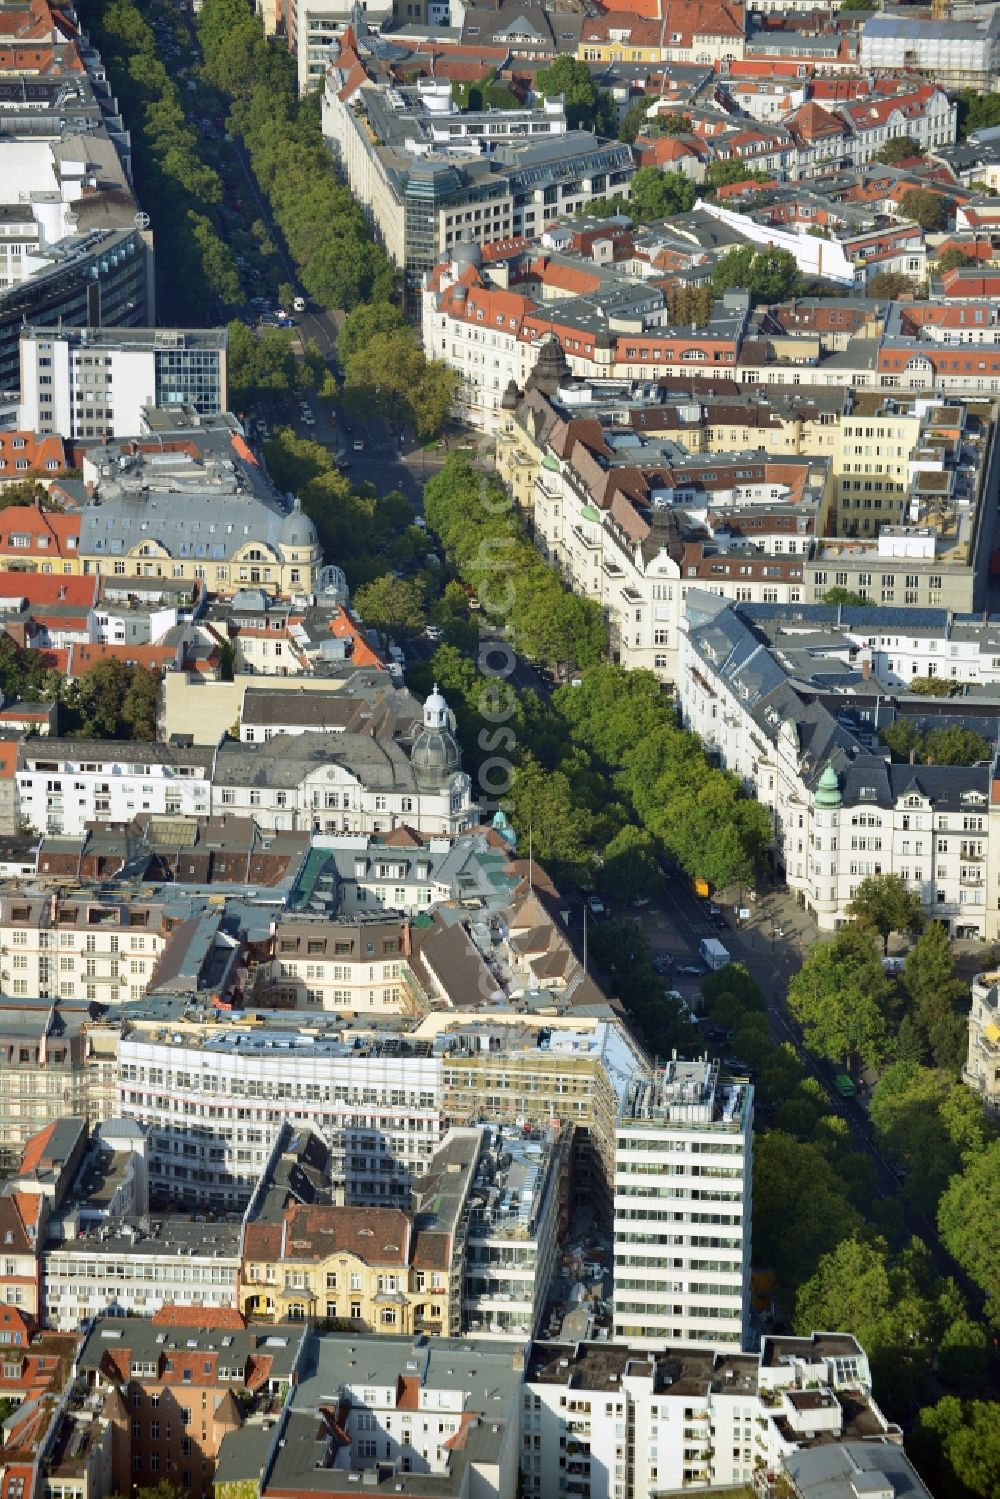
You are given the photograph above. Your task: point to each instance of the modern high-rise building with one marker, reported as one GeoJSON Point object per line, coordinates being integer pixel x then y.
{"type": "Point", "coordinates": [682, 1198]}
{"type": "Point", "coordinates": [96, 382]}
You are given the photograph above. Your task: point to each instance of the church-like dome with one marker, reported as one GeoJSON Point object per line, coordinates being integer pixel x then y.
{"type": "Point", "coordinates": [297, 530]}
{"type": "Point", "coordinates": [435, 756]}
{"type": "Point", "coordinates": [466, 251]}
{"type": "Point", "coordinates": [551, 368]}
{"type": "Point", "coordinates": [828, 789]}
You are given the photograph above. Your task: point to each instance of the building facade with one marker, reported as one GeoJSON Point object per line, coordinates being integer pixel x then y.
{"type": "Point", "coordinates": [841, 809]}
{"type": "Point", "coordinates": [95, 382]}
{"type": "Point", "coordinates": [682, 1210]}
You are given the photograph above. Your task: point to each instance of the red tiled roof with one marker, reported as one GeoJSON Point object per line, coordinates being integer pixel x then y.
{"type": "Point", "coordinates": [8, 759]}
{"type": "Point", "coordinates": [174, 1314]}
{"type": "Point", "coordinates": [27, 452]}
{"type": "Point", "coordinates": [83, 655]}
{"type": "Point", "coordinates": [34, 1150]}
{"type": "Point", "coordinates": [49, 588]}
{"type": "Point", "coordinates": [49, 533]}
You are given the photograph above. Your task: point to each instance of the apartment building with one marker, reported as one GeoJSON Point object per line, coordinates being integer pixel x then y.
{"type": "Point", "coordinates": [136, 1266]}
{"type": "Point", "coordinates": [695, 33]}
{"type": "Point", "coordinates": [51, 1067]}
{"type": "Point", "coordinates": [430, 175]}
{"type": "Point", "coordinates": [490, 324]}
{"type": "Point", "coordinates": [956, 53]}
{"type": "Point", "coordinates": [803, 492]}
{"type": "Point", "coordinates": [76, 247]}
{"type": "Point", "coordinates": [358, 782]}
{"type": "Point", "coordinates": [193, 504]}
{"type": "Point", "coordinates": [37, 540]}
{"type": "Point", "coordinates": [573, 1070]}
{"type": "Point", "coordinates": [607, 1420]}
{"type": "Point", "coordinates": [519, 1213]}
{"type": "Point", "coordinates": [982, 1067]}
{"type": "Point", "coordinates": [316, 781]}
{"type": "Point", "coordinates": [436, 1417]}
{"type": "Point", "coordinates": [367, 1269]}
{"type": "Point", "coordinates": [22, 1227]}
{"type": "Point", "coordinates": [634, 521]}
{"type": "Point", "coordinates": [176, 1379]}
{"type": "Point", "coordinates": [64, 784]}
{"type": "Point", "coordinates": [345, 966]}
{"type": "Point", "coordinates": [682, 1209]}
{"type": "Point", "coordinates": [841, 809]}
{"type": "Point", "coordinates": [101, 948]}
{"type": "Point", "coordinates": [96, 382]}
{"type": "Point", "coordinates": [376, 1102]}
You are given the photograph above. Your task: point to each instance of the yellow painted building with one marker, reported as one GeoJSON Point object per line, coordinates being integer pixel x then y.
{"type": "Point", "coordinates": [363, 1267]}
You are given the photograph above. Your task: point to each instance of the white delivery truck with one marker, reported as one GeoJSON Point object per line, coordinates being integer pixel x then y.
{"type": "Point", "coordinates": [713, 952]}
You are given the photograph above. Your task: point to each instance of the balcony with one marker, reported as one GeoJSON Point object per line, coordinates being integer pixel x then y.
{"type": "Point", "coordinates": [592, 543]}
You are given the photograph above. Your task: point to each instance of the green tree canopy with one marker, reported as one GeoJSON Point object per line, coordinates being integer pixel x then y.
{"type": "Point", "coordinates": [768, 275]}
{"type": "Point", "coordinates": [112, 701]}
{"type": "Point", "coordinates": [898, 148]}
{"type": "Point", "coordinates": [928, 209]}
{"type": "Point", "coordinates": [800, 1209]}
{"type": "Point", "coordinates": [630, 869]}
{"type": "Point", "coordinates": [839, 998]}
{"type": "Point", "coordinates": [891, 1305]}
{"type": "Point", "coordinates": [954, 259]}
{"type": "Point", "coordinates": [362, 324]}
{"type": "Point", "coordinates": [259, 365]}
{"type": "Point", "coordinates": [952, 744]}
{"type": "Point", "coordinates": [883, 904]}
{"type": "Point", "coordinates": [656, 195]}
{"type": "Point", "coordinates": [394, 605]}
{"type": "Point", "coordinates": [968, 1213]}
{"type": "Point", "coordinates": [634, 122]}
{"type": "Point", "coordinates": [976, 111]}
{"type": "Point", "coordinates": [928, 1122]}
{"type": "Point", "coordinates": [956, 1445]}
{"type": "Point", "coordinates": [938, 999]}
{"type": "Point", "coordinates": [725, 173]}
{"type": "Point", "coordinates": [390, 373]}
{"type": "Point", "coordinates": [891, 284]}
{"type": "Point", "coordinates": [587, 106]}
{"type": "Point", "coordinates": [845, 596]}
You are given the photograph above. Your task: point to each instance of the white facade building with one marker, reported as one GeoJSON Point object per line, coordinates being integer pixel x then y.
{"type": "Point", "coordinates": [324, 782]}
{"type": "Point", "coordinates": [76, 380]}
{"type": "Point", "coordinates": [682, 1209]}
{"type": "Point", "coordinates": [133, 1272]}
{"type": "Point", "coordinates": [62, 784]}
{"type": "Point", "coordinates": [214, 1100]}
{"type": "Point", "coordinates": [511, 1242]}
{"type": "Point", "coordinates": [840, 810]}
{"type": "Point", "coordinates": [602, 1421]}
{"type": "Point", "coordinates": [955, 53]}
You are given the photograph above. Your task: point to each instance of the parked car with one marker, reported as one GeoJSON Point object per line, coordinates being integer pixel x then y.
{"type": "Point", "coordinates": [692, 969]}
{"type": "Point", "coordinates": [595, 905]}
{"type": "Point", "coordinates": [433, 632]}
{"type": "Point", "coordinates": [359, 446]}
{"type": "Point", "coordinates": [663, 962]}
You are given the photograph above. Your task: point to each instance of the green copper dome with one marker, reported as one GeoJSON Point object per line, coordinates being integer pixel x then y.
{"type": "Point", "coordinates": [828, 790]}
